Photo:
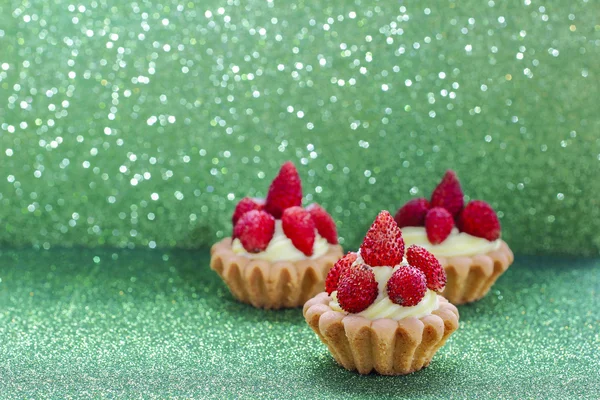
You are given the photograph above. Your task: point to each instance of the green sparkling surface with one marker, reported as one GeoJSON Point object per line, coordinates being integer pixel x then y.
{"type": "Point", "coordinates": [141, 124]}
{"type": "Point", "coordinates": [130, 323]}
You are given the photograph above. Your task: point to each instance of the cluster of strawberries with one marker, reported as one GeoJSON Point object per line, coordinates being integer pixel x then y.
{"type": "Point", "coordinates": [383, 246]}
{"type": "Point", "coordinates": [446, 209]}
{"type": "Point", "coordinates": [254, 219]}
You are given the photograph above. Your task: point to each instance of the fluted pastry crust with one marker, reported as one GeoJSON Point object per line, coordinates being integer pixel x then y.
{"type": "Point", "coordinates": [383, 345]}
{"type": "Point", "coordinates": [272, 285]}
{"type": "Point", "coordinates": [470, 278]}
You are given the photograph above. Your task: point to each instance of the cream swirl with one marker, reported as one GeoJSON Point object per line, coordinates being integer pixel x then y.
{"type": "Point", "coordinates": [280, 248]}
{"type": "Point", "coordinates": [457, 244]}
{"type": "Point", "coordinates": [383, 307]}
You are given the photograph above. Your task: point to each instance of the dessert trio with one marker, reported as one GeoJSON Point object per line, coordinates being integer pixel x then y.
{"type": "Point", "coordinates": [389, 306]}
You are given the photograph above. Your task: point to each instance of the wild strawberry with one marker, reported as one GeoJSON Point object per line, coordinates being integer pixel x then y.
{"type": "Point", "coordinates": [255, 230]}
{"type": "Point", "coordinates": [285, 190]}
{"type": "Point", "coordinates": [324, 223]}
{"type": "Point", "coordinates": [479, 219]}
{"type": "Point", "coordinates": [412, 213]}
{"type": "Point", "coordinates": [407, 286]}
{"type": "Point", "coordinates": [438, 224]}
{"type": "Point", "coordinates": [299, 227]}
{"type": "Point", "coordinates": [422, 259]}
{"type": "Point", "coordinates": [383, 243]}
{"type": "Point", "coordinates": [357, 288]}
{"type": "Point", "coordinates": [448, 194]}
{"type": "Point", "coordinates": [246, 204]}
{"type": "Point", "coordinates": [331, 282]}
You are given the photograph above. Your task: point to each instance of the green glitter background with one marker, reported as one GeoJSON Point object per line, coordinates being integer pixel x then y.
{"type": "Point", "coordinates": [141, 124]}
{"type": "Point", "coordinates": [131, 126]}
{"type": "Point", "coordinates": [132, 323]}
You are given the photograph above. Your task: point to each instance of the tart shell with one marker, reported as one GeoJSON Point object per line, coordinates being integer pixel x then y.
{"type": "Point", "coordinates": [470, 278]}
{"type": "Point", "coordinates": [272, 285]}
{"type": "Point", "coordinates": [386, 346]}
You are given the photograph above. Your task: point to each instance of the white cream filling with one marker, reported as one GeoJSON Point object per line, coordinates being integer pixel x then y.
{"type": "Point", "coordinates": [280, 248]}
{"type": "Point", "coordinates": [457, 244]}
{"type": "Point", "coordinates": [383, 307]}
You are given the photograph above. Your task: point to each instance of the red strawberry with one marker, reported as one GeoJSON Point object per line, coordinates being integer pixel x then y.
{"type": "Point", "coordinates": [448, 194]}
{"type": "Point", "coordinates": [383, 243]}
{"type": "Point", "coordinates": [479, 219]}
{"type": "Point", "coordinates": [438, 224]}
{"type": "Point", "coordinates": [285, 190]}
{"type": "Point", "coordinates": [412, 213]}
{"type": "Point", "coordinates": [420, 258]}
{"type": "Point", "coordinates": [300, 228]}
{"type": "Point", "coordinates": [407, 286]}
{"type": "Point", "coordinates": [357, 288]}
{"type": "Point", "coordinates": [255, 230]}
{"type": "Point", "coordinates": [246, 204]}
{"type": "Point", "coordinates": [323, 222]}
{"type": "Point", "coordinates": [331, 282]}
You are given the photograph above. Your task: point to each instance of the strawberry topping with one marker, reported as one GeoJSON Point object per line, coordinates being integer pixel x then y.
{"type": "Point", "coordinates": [356, 284]}
{"type": "Point", "coordinates": [422, 259]}
{"type": "Point", "coordinates": [407, 286]}
{"type": "Point", "coordinates": [357, 288]}
{"type": "Point", "coordinates": [324, 223]}
{"type": "Point", "coordinates": [246, 204]}
{"type": "Point", "coordinates": [412, 213]}
{"type": "Point", "coordinates": [285, 190]}
{"type": "Point", "coordinates": [438, 224]}
{"type": "Point", "coordinates": [331, 282]}
{"type": "Point", "coordinates": [255, 230]}
{"type": "Point", "coordinates": [448, 194]}
{"type": "Point", "coordinates": [479, 219]}
{"type": "Point", "coordinates": [383, 244]}
{"type": "Point", "coordinates": [299, 227]}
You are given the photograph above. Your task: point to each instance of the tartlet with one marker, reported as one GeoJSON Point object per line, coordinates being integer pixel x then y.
{"type": "Point", "coordinates": [380, 312]}
{"type": "Point", "coordinates": [465, 239]}
{"type": "Point", "coordinates": [279, 253]}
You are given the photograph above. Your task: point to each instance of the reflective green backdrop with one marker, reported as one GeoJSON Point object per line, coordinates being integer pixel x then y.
{"type": "Point", "coordinates": [140, 124]}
